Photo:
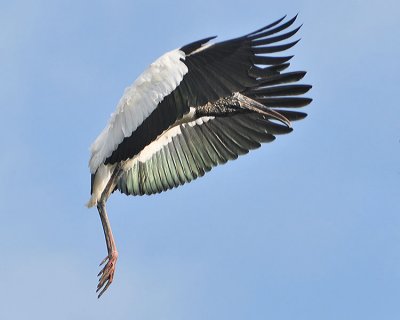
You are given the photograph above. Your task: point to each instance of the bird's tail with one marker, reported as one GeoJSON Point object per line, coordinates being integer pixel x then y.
{"type": "Point", "coordinates": [92, 201]}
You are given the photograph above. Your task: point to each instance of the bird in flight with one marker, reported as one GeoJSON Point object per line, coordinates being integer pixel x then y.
{"type": "Point", "coordinates": [192, 109]}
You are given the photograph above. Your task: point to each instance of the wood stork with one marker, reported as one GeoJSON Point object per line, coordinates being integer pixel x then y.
{"type": "Point", "coordinates": [192, 109]}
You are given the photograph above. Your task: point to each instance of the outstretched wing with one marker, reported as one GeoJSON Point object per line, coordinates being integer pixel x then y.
{"type": "Point", "coordinates": [191, 76]}
{"type": "Point", "coordinates": [189, 150]}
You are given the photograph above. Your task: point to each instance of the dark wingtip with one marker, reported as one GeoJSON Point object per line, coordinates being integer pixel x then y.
{"type": "Point", "coordinates": [193, 46]}
{"type": "Point", "coordinates": [267, 26]}
{"type": "Point", "coordinates": [291, 21]}
{"type": "Point", "coordinates": [293, 115]}
{"type": "Point", "coordinates": [283, 18]}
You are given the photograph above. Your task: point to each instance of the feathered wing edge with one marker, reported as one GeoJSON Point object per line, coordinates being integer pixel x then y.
{"type": "Point", "coordinates": [195, 148]}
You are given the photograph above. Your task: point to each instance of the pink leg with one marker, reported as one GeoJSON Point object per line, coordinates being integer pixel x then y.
{"type": "Point", "coordinates": [107, 273]}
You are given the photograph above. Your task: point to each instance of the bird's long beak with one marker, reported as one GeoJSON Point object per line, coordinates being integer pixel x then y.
{"type": "Point", "coordinates": [250, 104]}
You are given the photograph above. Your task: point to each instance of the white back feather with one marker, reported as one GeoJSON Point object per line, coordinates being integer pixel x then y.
{"type": "Point", "coordinates": [137, 103]}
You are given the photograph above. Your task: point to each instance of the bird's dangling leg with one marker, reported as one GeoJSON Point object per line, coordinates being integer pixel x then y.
{"type": "Point", "coordinates": [107, 273]}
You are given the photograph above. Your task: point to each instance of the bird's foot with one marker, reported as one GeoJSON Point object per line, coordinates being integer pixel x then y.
{"type": "Point", "coordinates": [107, 273]}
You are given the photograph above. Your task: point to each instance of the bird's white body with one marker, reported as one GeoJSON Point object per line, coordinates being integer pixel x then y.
{"type": "Point", "coordinates": [103, 175]}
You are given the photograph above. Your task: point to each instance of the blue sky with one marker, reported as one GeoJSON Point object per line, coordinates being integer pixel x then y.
{"type": "Point", "coordinates": [304, 228]}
